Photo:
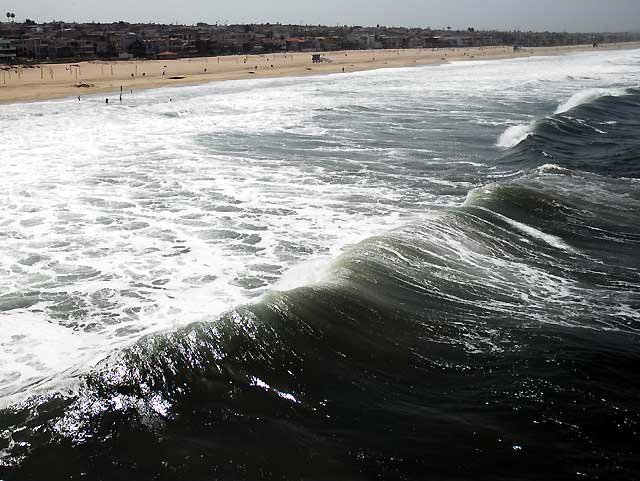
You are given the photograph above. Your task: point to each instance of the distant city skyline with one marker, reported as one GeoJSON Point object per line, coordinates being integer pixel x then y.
{"type": "Point", "coordinates": [541, 15]}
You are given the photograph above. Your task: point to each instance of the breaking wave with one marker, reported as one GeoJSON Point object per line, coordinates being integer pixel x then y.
{"type": "Point", "coordinates": [595, 130]}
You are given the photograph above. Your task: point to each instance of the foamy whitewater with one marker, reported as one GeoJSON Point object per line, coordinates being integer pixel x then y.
{"type": "Point", "coordinates": [181, 205]}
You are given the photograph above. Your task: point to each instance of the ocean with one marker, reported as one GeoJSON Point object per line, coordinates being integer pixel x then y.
{"type": "Point", "coordinates": [426, 273]}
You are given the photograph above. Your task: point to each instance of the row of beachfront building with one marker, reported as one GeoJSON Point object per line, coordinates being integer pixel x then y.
{"type": "Point", "coordinates": [61, 41]}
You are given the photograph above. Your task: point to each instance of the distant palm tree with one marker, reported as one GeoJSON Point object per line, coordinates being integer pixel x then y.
{"type": "Point", "coordinates": [8, 16]}
{"type": "Point", "coordinates": [13, 15]}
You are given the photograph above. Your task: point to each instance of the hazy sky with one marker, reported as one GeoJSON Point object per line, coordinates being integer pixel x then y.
{"type": "Point", "coordinates": [570, 15]}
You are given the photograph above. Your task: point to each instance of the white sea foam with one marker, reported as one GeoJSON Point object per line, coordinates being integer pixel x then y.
{"type": "Point", "coordinates": [552, 168]}
{"type": "Point", "coordinates": [314, 271]}
{"type": "Point", "coordinates": [550, 239]}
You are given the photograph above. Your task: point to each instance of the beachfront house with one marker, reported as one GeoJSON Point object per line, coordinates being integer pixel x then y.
{"type": "Point", "coordinates": [167, 56]}
{"type": "Point", "coordinates": [7, 51]}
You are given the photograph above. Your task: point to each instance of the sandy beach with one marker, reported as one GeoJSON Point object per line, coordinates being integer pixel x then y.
{"type": "Point", "coordinates": [49, 81]}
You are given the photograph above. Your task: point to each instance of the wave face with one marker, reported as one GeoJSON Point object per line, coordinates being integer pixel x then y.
{"type": "Point", "coordinates": [490, 330]}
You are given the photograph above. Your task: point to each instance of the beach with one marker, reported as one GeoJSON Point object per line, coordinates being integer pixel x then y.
{"type": "Point", "coordinates": [50, 81]}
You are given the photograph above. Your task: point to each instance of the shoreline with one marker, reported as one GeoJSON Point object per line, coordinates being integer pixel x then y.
{"type": "Point", "coordinates": [55, 81]}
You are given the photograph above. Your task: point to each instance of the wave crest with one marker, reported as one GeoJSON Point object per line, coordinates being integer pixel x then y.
{"type": "Point", "coordinates": [514, 135]}
{"type": "Point", "coordinates": [587, 96]}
